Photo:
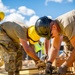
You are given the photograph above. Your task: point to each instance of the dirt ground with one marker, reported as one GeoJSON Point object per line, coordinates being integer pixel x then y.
{"type": "Point", "coordinates": [25, 71]}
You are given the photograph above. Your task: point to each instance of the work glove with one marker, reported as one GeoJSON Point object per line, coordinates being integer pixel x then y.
{"type": "Point", "coordinates": [62, 70]}
{"type": "Point", "coordinates": [40, 64]}
{"type": "Point", "coordinates": [44, 57]}
{"type": "Point", "coordinates": [49, 68]}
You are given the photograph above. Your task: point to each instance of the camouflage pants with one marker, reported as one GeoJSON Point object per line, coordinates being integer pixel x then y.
{"type": "Point", "coordinates": [12, 59]}
{"type": "Point", "coordinates": [11, 53]}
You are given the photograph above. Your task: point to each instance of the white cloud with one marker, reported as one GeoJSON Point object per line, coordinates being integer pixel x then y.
{"type": "Point", "coordinates": [15, 17]}
{"type": "Point", "coordinates": [19, 18]}
{"type": "Point", "coordinates": [59, 1]}
{"type": "Point", "coordinates": [46, 2]}
{"type": "Point", "coordinates": [49, 17]}
{"type": "Point", "coordinates": [32, 20]}
{"type": "Point", "coordinates": [12, 11]}
{"type": "Point", "coordinates": [70, 0]}
{"type": "Point", "coordinates": [3, 7]}
{"type": "Point", "coordinates": [25, 11]}
{"type": "Point", "coordinates": [18, 15]}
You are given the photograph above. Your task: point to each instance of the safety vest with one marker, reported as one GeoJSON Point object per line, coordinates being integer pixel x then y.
{"type": "Point", "coordinates": [32, 35]}
{"type": "Point", "coordinates": [37, 47]}
{"type": "Point", "coordinates": [43, 48]}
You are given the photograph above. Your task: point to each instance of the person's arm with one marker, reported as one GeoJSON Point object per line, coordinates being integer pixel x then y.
{"type": "Point", "coordinates": [47, 45]}
{"type": "Point", "coordinates": [28, 49]}
{"type": "Point", "coordinates": [71, 59]}
{"type": "Point", "coordinates": [55, 47]}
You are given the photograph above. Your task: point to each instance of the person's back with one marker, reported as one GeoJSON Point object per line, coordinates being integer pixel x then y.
{"type": "Point", "coordinates": [13, 30]}
{"type": "Point", "coordinates": [67, 23]}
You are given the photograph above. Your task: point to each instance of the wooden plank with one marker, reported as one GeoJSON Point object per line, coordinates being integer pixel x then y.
{"type": "Point", "coordinates": [31, 72]}
{"type": "Point", "coordinates": [28, 69]}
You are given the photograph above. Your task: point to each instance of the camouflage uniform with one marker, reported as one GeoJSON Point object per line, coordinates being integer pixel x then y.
{"type": "Point", "coordinates": [68, 46]}
{"type": "Point", "coordinates": [11, 52]}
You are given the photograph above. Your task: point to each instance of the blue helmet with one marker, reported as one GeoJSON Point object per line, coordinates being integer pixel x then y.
{"type": "Point", "coordinates": [42, 27]}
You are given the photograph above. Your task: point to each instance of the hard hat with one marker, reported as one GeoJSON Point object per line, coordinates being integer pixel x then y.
{"type": "Point", "coordinates": [32, 35]}
{"type": "Point", "coordinates": [2, 15]}
{"type": "Point", "coordinates": [42, 27]}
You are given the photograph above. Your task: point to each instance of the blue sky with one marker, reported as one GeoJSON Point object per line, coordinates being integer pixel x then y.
{"type": "Point", "coordinates": [28, 11]}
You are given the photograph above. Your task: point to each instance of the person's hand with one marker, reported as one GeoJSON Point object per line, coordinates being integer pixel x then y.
{"type": "Point", "coordinates": [40, 64]}
{"type": "Point", "coordinates": [62, 69]}
{"type": "Point", "coordinates": [49, 68]}
{"type": "Point", "coordinates": [44, 58]}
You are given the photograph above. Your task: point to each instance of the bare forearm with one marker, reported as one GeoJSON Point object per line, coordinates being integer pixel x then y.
{"type": "Point", "coordinates": [28, 49]}
{"type": "Point", "coordinates": [71, 59]}
{"type": "Point", "coordinates": [55, 46]}
{"type": "Point", "coordinates": [52, 54]}
{"type": "Point", "coordinates": [47, 46]}
{"type": "Point", "coordinates": [31, 53]}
